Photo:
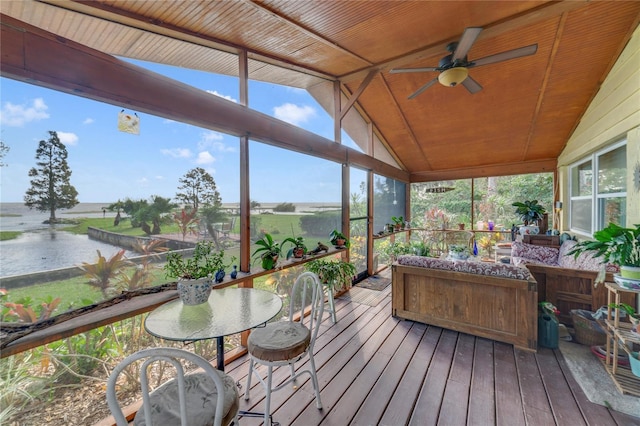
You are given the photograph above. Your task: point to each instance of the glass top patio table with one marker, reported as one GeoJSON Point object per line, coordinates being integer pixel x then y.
{"type": "Point", "coordinates": [228, 311]}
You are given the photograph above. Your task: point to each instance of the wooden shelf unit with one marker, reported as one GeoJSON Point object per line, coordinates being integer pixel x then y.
{"type": "Point", "coordinates": [619, 335]}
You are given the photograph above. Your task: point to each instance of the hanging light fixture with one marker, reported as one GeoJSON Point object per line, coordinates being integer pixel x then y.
{"type": "Point", "coordinates": [453, 76]}
{"type": "Point", "coordinates": [439, 187]}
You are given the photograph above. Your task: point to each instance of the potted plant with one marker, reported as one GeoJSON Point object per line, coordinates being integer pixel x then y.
{"type": "Point", "coordinates": [398, 222]}
{"type": "Point", "coordinates": [395, 249]}
{"type": "Point", "coordinates": [298, 249]}
{"type": "Point", "coordinates": [338, 239]}
{"type": "Point", "coordinates": [617, 245]}
{"type": "Point", "coordinates": [458, 251]}
{"type": "Point", "coordinates": [195, 274]}
{"type": "Point", "coordinates": [634, 317]}
{"type": "Point", "coordinates": [529, 212]}
{"type": "Point", "coordinates": [334, 273]}
{"type": "Point", "coordinates": [268, 252]}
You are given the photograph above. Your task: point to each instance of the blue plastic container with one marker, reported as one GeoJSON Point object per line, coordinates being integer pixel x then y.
{"type": "Point", "coordinates": [547, 331]}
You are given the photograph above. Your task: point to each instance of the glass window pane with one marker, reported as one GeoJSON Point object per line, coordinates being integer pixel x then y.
{"type": "Point", "coordinates": [581, 215]}
{"type": "Point", "coordinates": [612, 171]}
{"type": "Point", "coordinates": [582, 180]}
{"type": "Point", "coordinates": [612, 210]}
{"type": "Point", "coordinates": [358, 213]}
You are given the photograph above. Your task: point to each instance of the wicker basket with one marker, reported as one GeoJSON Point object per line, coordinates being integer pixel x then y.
{"type": "Point", "coordinates": [587, 330]}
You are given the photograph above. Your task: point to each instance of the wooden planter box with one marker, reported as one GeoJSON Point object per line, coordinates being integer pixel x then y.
{"type": "Point", "coordinates": [501, 309]}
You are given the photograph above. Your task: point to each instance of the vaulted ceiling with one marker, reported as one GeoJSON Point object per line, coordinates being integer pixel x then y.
{"type": "Point", "coordinates": [519, 122]}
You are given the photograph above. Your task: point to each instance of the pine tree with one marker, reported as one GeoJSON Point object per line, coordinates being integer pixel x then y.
{"type": "Point", "coordinates": [198, 187]}
{"type": "Point", "coordinates": [51, 188]}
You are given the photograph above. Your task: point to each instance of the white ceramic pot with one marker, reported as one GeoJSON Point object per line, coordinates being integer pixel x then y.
{"type": "Point", "coordinates": [194, 292]}
{"type": "Point", "coordinates": [632, 272]}
{"type": "Point", "coordinates": [529, 230]}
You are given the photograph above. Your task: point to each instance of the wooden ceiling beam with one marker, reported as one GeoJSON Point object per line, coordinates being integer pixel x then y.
{"type": "Point", "coordinates": [505, 169]}
{"type": "Point", "coordinates": [545, 82]}
{"type": "Point", "coordinates": [543, 12]}
{"type": "Point", "coordinates": [354, 97]}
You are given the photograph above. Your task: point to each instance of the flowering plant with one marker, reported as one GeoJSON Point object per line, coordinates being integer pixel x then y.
{"type": "Point", "coordinates": [617, 245]}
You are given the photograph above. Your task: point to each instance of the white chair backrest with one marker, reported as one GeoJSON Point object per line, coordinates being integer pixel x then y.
{"type": "Point", "coordinates": [307, 291]}
{"type": "Point", "coordinates": [172, 356]}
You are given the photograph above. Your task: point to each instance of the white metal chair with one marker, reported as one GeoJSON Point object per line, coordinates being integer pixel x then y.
{"type": "Point", "coordinates": [208, 397]}
{"type": "Point", "coordinates": [284, 343]}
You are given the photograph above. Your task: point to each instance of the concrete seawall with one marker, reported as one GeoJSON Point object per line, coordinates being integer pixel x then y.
{"type": "Point", "coordinates": [125, 241]}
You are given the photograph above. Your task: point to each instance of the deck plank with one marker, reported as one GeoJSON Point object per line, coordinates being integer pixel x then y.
{"type": "Point", "coordinates": [509, 409]}
{"type": "Point", "coordinates": [374, 369]}
{"type": "Point", "coordinates": [482, 407]}
{"type": "Point", "coordinates": [427, 407]}
{"type": "Point", "coordinates": [534, 396]}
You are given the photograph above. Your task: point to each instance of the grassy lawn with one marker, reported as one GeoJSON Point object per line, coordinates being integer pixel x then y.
{"type": "Point", "coordinates": [9, 235]}
{"type": "Point", "coordinates": [124, 227]}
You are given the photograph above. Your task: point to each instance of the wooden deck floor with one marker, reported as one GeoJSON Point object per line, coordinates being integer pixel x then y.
{"type": "Point", "coordinates": [376, 370]}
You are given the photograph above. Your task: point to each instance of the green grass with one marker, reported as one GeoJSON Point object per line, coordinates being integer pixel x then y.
{"type": "Point", "coordinates": [9, 235]}
{"type": "Point", "coordinates": [73, 292]}
{"type": "Point", "coordinates": [279, 225]}
{"type": "Point", "coordinates": [124, 227]}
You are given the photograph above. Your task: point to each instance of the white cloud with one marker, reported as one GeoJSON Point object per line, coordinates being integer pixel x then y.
{"type": "Point", "coordinates": [211, 139]}
{"type": "Point", "coordinates": [88, 121]}
{"type": "Point", "coordinates": [159, 177]}
{"type": "Point", "coordinates": [205, 158]}
{"type": "Point", "coordinates": [177, 152]}
{"type": "Point", "coordinates": [294, 114]}
{"type": "Point", "coordinates": [18, 115]}
{"type": "Point", "coordinates": [227, 97]}
{"type": "Point", "coordinates": [143, 181]}
{"type": "Point", "coordinates": [68, 138]}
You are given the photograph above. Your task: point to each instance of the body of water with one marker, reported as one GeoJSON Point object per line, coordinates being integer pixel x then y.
{"type": "Point", "coordinates": [42, 247]}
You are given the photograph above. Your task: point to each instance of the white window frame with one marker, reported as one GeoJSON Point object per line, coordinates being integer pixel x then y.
{"type": "Point", "coordinates": [595, 197]}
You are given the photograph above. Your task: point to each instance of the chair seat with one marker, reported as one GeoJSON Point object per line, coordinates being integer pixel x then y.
{"type": "Point", "coordinates": [201, 396]}
{"type": "Point", "coordinates": [279, 341]}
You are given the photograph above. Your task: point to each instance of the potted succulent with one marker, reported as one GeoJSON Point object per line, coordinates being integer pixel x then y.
{"type": "Point", "coordinates": [617, 245]}
{"type": "Point", "coordinates": [298, 249]}
{"type": "Point", "coordinates": [268, 252]}
{"type": "Point", "coordinates": [529, 212]}
{"type": "Point", "coordinates": [338, 239]}
{"type": "Point", "coordinates": [195, 274]}
{"type": "Point", "coordinates": [334, 273]}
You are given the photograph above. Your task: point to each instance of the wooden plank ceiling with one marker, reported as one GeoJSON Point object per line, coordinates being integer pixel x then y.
{"type": "Point", "coordinates": [519, 122]}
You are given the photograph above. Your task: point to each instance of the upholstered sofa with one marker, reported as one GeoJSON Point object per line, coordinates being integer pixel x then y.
{"type": "Point", "coordinates": [564, 280]}
{"type": "Point", "coordinates": [492, 300]}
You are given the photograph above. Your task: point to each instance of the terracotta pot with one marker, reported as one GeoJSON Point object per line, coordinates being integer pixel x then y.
{"type": "Point", "coordinates": [461, 226]}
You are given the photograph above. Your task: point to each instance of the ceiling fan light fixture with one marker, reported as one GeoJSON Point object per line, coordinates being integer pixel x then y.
{"type": "Point", "coordinates": [453, 76]}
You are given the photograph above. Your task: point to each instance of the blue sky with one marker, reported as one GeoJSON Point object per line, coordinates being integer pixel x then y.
{"type": "Point", "coordinates": [108, 165]}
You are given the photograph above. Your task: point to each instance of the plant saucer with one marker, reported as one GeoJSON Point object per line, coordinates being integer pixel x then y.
{"type": "Point", "coordinates": [629, 283]}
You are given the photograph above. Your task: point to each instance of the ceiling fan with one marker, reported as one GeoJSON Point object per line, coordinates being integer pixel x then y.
{"type": "Point", "coordinates": [454, 68]}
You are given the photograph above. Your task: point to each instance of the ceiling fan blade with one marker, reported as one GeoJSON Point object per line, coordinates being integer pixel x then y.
{"type": "Point", "coordinates": [423, 88]}
{"type": "Point", "coordinates": [399, 70]}
{"type": "Point", "coordinates": [466, 41]}
{"type": "Point", "coordinates": [471, 85]}
{"type": "Point", "coordinates": [504, 56]}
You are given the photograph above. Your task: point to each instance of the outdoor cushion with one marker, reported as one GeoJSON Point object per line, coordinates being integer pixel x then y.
{"type": "Point", "coordinates": [279, 341]}
{"type": "Point", "coordinates": [499, 269]}
{"type": "Point", "coordinates": [201, 398]}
